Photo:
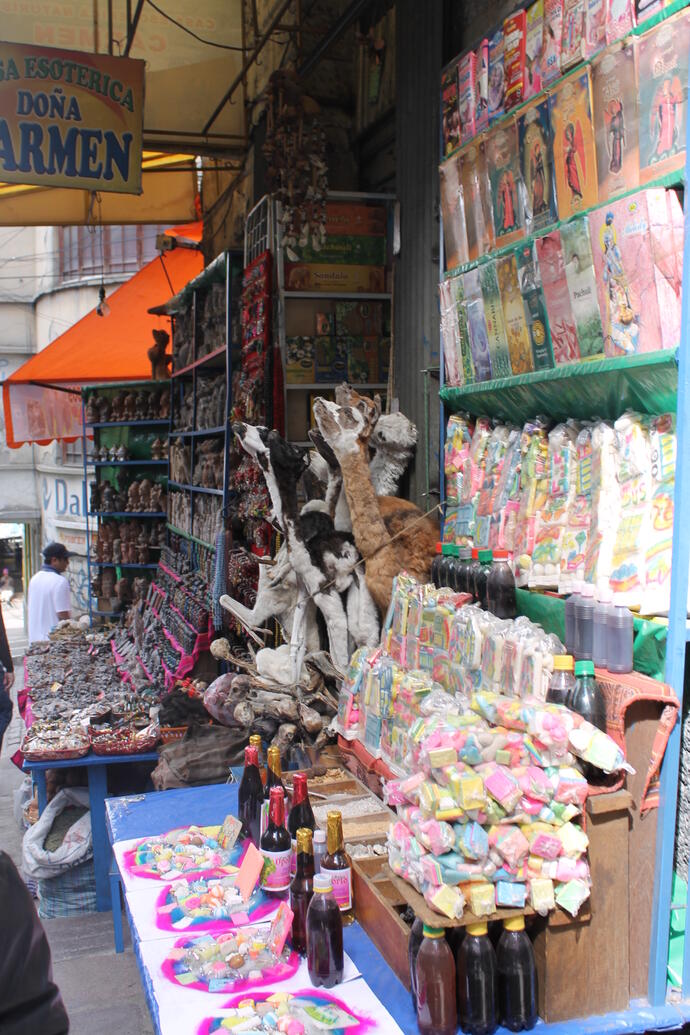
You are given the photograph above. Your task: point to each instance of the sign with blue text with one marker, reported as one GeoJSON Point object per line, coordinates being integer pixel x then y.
{"type": "Point", "coordinates": [70, 119]}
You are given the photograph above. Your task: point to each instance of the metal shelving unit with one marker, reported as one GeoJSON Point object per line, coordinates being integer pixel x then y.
{"type": "Point", "coordinates": [510, 398]}
{"type": "Point", "coordinates": [146, 465]}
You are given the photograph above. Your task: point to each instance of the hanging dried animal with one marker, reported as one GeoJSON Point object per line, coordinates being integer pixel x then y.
{"type": "Point", "coordinates": [295, 150]}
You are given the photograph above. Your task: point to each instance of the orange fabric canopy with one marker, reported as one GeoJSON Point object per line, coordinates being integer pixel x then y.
{"type": "Point", "coordinates": [110, 348]}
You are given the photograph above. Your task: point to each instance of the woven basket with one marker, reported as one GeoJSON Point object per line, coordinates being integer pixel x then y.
{"type": "Point", "coordinates": [121, 742]}
{"type": "Point", "coordinates": [171, 733]}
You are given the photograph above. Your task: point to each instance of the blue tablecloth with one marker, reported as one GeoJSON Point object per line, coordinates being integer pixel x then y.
{"type": "Point", "coordinates": [141, 815]}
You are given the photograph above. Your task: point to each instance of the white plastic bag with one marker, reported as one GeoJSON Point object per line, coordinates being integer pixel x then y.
{"type": "Point", "coordinates": [76, 847]}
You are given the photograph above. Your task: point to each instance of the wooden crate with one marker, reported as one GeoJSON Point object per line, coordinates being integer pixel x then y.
{"type": "Point", "coordinates": [583, 968]}
{"type": "Point", "coordinates": [378, 905]}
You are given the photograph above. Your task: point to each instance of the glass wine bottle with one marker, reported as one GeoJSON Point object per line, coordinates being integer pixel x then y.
{"type": "Point", "coordinates": [276, 846]}
{"type": "Point", "coordinates": [250, 797]}
{"type": "Point", "coordinates": [336, 863]}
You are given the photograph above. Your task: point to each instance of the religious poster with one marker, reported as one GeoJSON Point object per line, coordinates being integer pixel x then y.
{"type": "Point", "coordinates": [534, 140]}
{"type": "Point", "coordinates": [614, 103]}
{"type": "Point", "coordinates": [663, 55]}
{"type": "Point", "coordinates": [574, 156]}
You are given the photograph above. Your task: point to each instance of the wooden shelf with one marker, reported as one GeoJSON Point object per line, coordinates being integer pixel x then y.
{"type": "Point", "coordinates": [190, 537]}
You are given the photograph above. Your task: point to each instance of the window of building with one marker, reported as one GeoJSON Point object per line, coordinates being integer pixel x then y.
{"type": "Point", "coordinates": [86, 251]}
{"type": "Point", "coordinates": [73, 452]}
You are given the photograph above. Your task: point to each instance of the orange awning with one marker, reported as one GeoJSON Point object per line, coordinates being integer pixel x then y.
{"type": "Point", "coordinates": [111, 348]}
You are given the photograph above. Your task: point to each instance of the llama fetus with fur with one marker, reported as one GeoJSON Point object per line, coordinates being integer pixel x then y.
{"type": "Point", "coordinates": [347, 426]}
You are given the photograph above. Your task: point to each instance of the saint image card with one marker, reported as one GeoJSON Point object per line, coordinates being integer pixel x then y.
{"type": "Point", "coordinates": [467, 95]}
{"type": "Point", "coordinates": [614, 104]}
{"type": "Point", "coordinates": [662, 56]}
{"type": "Point", "coordinates": [476, 198]}
{"type": "Point", "coordinates": [534, 140]}
{"type": "Point", "coordinates": [495, 329]}
{"type": "Point", "coordinates": [452, 211]}
{"type": "Point", "coordinates": [553, 29]}
{"type": "Point", "coordinates": [625, 276]}
{"type": "Point", "coordinates": [449, 102]}
{"type": "Point", "coordinates": [476, 326]}
{"type": "Point", "coordinates": [595, 26]}
{"type": "Point", "coordinates": [579, 272]}
{"type": "Point", "coordinates": [452, 363]}
{"type": "Point", "coordinates": [514, 32]}
{"type": "Point", "coordinates": [644, 9]}
{"type": "Point", "coordinates": [529, 281]}
{"type": "Point", "coordinates": [620, 19]}
{"type": "Point", "coordinates": [665, 215]}
{"type": "Point", "coordinates": [503, 163]}
{"type": "Point", "coordinates": [497, 86]}
{"type": "Point", "coordinates": [534, 46]}
{"type": "Point", "coordinates": [481, 118]}
{"type": "Point", "coordinates": [555, 286]}
{"type": "Point", "coordinates": [574, 156]}
{"type": "Point", "coordinates": [573, 34]}
{"type": "Point", "coordinates": [519, 344]}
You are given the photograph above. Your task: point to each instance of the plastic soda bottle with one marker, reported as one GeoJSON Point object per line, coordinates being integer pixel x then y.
{"type": "Point", "coordinates": [413, 945]}
{"type": "Point", "coordinates": [587, 699]}
{"type": "Point", "coordinates": [324, 935]}
{"type": "Point", "coordinates": [563, 679]}
{"type": "Point", "coordinates": [500, 587]}
{"type": "Point", "coordinates": [602, 610]}
{"type": "Point", "coordinates": [619, 640]}
{"type": "Point", "coordinates": [517, 977]}
{"type": "Point", "coordinates": [570, 605]}
{"type": "Point", "coordinates": [584, 624]}
{"type": "Point", "coordinates": [301, 890]}
{"type": "Point", "coordinates": [436, 1009]}
{"type": "Point", "coordinates": [476, 964]}
{"type": "Point", "coordinates": [436, 564]}
{"type": "Point", "coordinates": [481, 577]}
{"type": "Point", "coordinates": [319, 849]}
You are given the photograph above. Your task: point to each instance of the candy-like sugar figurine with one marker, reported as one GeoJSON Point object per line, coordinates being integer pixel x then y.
{"type": "Point", "coordinates": [546, 847]}
{"type": "Point", "coordinates": [482, 899]}
{"type": "Point", "coordinates": [541, 893]}
{"type": "Point", "coordinates": [510, 896]}
{"type": "Point", "coordinates": [573, 839]}
{"type": "Point", "coordinates": [511, 844]}
{"type": "Point", "coordinates": [571, 896]}
{"type": "Point", "coordinates": [501, 785]}
{"type": "Point", "coordinates": [597, 748]}
{"type": "Point", "coordinates": [572, 869]}
{"type": "Point", "coordinates": [446, 900]}
{"type": "Point", "coordinates": [472, 840]}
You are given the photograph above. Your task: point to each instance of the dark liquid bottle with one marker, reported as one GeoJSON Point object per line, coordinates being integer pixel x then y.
{"type": "Point", "coordinates": [476, 963]}
{"type": "Point", "coordinates": [500, 587]}
{"type": "Point", "coordinates": [250, 797]}
{"type": "Point", "coordinates": [255, 741]}
{"type": "Point", "coordinates": [301, 814]}
{"type": "Point", "coordinates": [462, 577]}
{"type": "Point", "coordinates": [276, 846]}
{"type": "Point", "coordinates": [587, 699]}
{"type": "Point", "coordinates": [301, 890]}
{"type": "Point", "coordinates": [481, 577]}
{"type": "Point", "coordinates": [451, 565]}
{"type": "Point", "coordinates": [473, 567]}
{"type": "Point", "coordinates": [436, 564]}
{"type": "Point", "coordinates": [517, 977]}
{"type": "Point", "coordinates": [562, 681]}
{"type": "Point", "coordinates": [415, 940]}
{"type": "Point", "coordinates": [337, 865]}
{"type": "Point", "coordinates": [274, 778]}
{"type": "Point", "coordinates": [324, 935]}
{"type": "Point", "coordinates": [436, 1010]}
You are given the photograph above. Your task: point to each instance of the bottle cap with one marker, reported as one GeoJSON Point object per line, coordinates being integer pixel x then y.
{"type": "Point", "coordinates": [454, 550]}
{"type": "Point", "coordinates": [303, 839]}
{"type": "Point", "coordinates": [577, 586]}
{"type": "Point", "coordinates": [476, 929]}
{"type": "Point", "coordinates": [584, 668]}
{"type": "Point", "coordinates": [251, 756]}
{"type": "Point", "coordinates": [563, 662]}
{"type": "Point", "coordinates": [514, 923]}
{"type": "Point", "coordinates": [619, 601]}
{"type": "Point", "coordinates": [500, 555]}
{"type": "Point", "coordinates": [475, 553]}
{"type": "Point", "coordinates": [433, 932]}
{"type": "Point", "coordinates": [255, 740]}
{"type": "Point", "coordinates": [299, 788]}
{"type": "Point", "coordinates": [447, 549]}
{"type": "Point", "coordinates": [604, 595]}
{"type": "Point", "coordinates": [273, 756]}
{"type": "Point", "coordinates": [587, 589]}
{"type": "Point", "coordinates": [486, 556]}
{"type": "Point", "coordinates": [439, 547]}
{"type": "Point", "coordinates": [465, 553]}
{"type": "Point", "coordinates": [320, 837]}
{"type": "Point", "coordinates": [323, 883]}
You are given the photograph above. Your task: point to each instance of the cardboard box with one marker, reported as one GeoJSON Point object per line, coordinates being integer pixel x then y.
{"type": "Point", "coordinates": [299, 361]}
{"type": "Point", "coordinates": [514, 35]}
{"type": "Point", "coordinates": [561, 321]}
{"type": "Point", "coordinates": [481, 116]}
{"type": "Point", "coordinates": [362, 360]}
{"type": "Point", "coordinates": [344, 249]}
{"type": "Point", "coordinates": [359, 319]}
{"type": "Point", "coordinates": [334, 278]}
{"type": "Point", "coordinates": [579, 271]}
{"type": "Point", "coordinates": [331, 360]}
{"type": "Point", "coordinates": [467, 95]}
{"type": "Point", "coordinates": [348, 217]}
{"type": "Point", "coordinates": [497, 84]}
{"type": "Point", "coordinates": [449, 102]}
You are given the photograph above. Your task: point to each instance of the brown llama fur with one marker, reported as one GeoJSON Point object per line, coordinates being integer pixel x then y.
{"type": "Point", "coordinates": [346, 427]}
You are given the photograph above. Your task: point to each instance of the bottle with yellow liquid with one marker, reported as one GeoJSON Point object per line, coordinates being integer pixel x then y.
{"type": "Point", "coordinates": [337, 864]}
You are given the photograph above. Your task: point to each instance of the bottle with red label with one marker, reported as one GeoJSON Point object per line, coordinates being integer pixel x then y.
{"type": "Point", "coordinates": [337, 865]}
{"type": "Point", "coordinates": [274, 778]}
{"type": "Point", "coordinates": [276, 846]}
{"type": "Point", "coordinates": [301, 814]}
{"type": "Point", "coordinates": [250, 797]}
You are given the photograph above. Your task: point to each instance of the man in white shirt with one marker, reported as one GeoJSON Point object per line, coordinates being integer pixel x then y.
{"type": "Point", "coordinates": [49, 593]}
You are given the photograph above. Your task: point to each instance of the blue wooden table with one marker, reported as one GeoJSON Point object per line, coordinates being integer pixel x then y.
{"type": "Point", "coordinates": [97, 769]}
{"type": "Point", "coordinates": [145, 815]}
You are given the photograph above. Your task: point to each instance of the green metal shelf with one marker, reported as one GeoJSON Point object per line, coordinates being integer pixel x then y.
{"type": "Point", "coordinates": [192, 538]}
{"type": "Point", "coordinates": [602, 388]}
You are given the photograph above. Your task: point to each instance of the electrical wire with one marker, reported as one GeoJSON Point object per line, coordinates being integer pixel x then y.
{"type": "Point", "coordinates": [209, 43]}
